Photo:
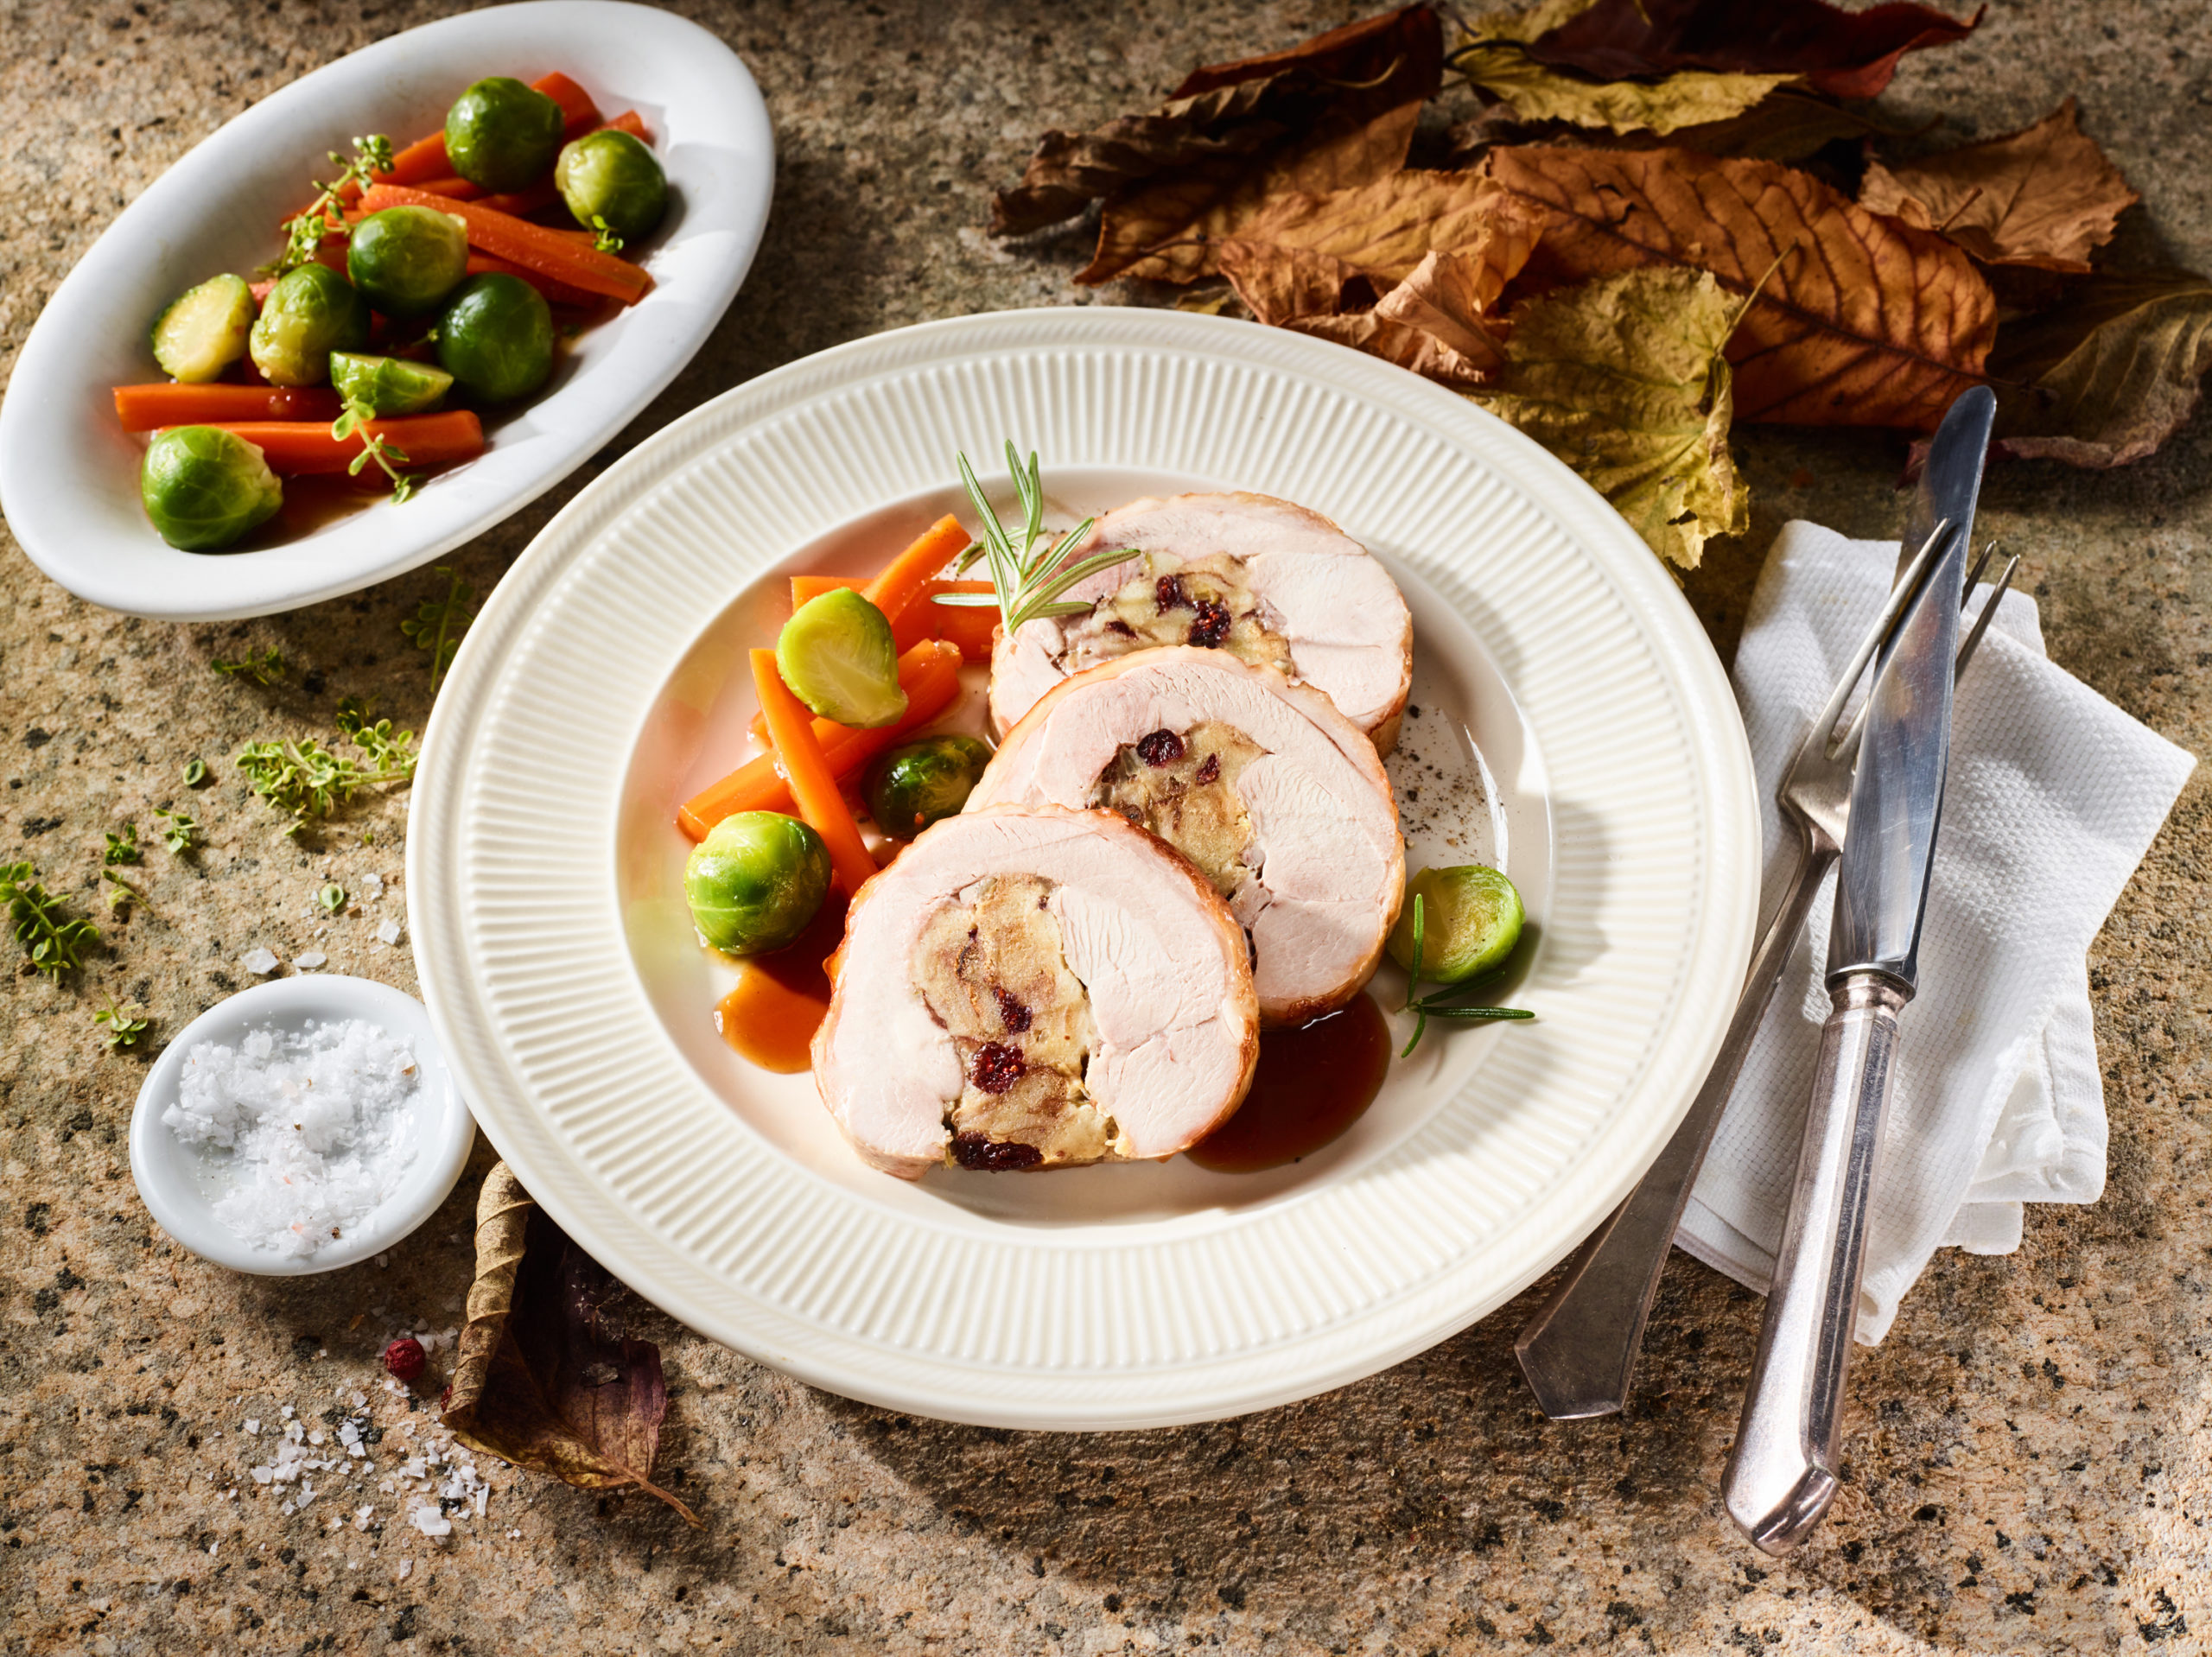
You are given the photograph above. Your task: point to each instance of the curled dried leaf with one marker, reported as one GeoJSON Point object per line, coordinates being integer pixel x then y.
{"type": "Point", "coordinates": [542, 1380]}
{"type": "Point", "coordinates": [1387, 228]}
{"type": "Point", "coordinates": [2042, 197]}
{"type": "Point", "coordinates": [1539, 92]}
{"type": "Point", "coordinates": [2105, 380]}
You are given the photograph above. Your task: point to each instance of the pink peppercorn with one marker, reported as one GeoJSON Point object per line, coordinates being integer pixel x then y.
{"type": "Point", "coordinates": [404, 1358]}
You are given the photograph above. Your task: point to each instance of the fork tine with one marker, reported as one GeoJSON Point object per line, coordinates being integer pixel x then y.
{"type": "Point", "coordinates": [1901, 597]}
{"type": "Point", "coordinates": [1974, 575]}
{"type": "Point", "coordinates": [1988, 611]}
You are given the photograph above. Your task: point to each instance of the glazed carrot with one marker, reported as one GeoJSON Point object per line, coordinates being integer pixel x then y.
{"type": "Point", "coordinates": [548, 252]}
{"type": "Point", "coordinates": [555, 292]}
{"type": "Point", "coordinates": [814, 787]}
{"type": "Point", "coordinates": [458, 188]}
{"type": "Point", "coordinates": [149, 408]}
{"type": "Point", "coordinates": [521, 203]}
{"type": "Point", "coordinates": [930, 675]}
{"type": "Point", "coordinates": [578, 112]}
{"type": "Point", "coordinates": [968, 627]}
{"type": "Point", "coordinates": [902, 578]}
{"type": "Point", "coordinates": [299, 447]}
{"type": "Point", "coordinates": [633, 124]}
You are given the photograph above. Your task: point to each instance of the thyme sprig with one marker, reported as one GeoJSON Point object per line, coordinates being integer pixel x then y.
{"type": "Point", "coordinates": [37, 919]}
{"type": "Point", "coordinates": [122, 1029]}
{"type": "Point", "coordinates": [307, 781]}
{"type": "Point", "coordinates": [325, 216]}
{"type": "Point", "coordinates": [180, 830]}
{"type": "Point", "coordinates": [437, 624]}
{"type": "Point", "coordinates": [262, 666]}
{"type": "Point", "coordinates": [375, 446]}
{"type": "Point", "coordinates": [1025, 582]}
{"type": "Point", "coordinates": [1433, 1006]}
{"type": "Point", "coordinates": [122, 849]}
{"type": "Point", "coordinates": [603, 236]}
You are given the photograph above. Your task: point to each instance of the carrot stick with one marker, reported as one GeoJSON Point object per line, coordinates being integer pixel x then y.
{"type": "Point", "coordinates": [814, 787]}
{"type": "Point", "coordinates": [548, 252]}
{"type": "Point", "coordinates": [968, 627]}
{"type": "Point", "coordinates": [299, 447]}
{"type": "Point", "coordinates": [521, 203]}
{"type": "Point", "coordinates": [557, 292]}
{"type": "Point", "coordinates": [150, 407]}
{"type": "Point", "coordinates": [633, 124]}
{"type": "Point", "coordinates": [902, 578]}
{"type": "Point", "coordinates": [930, 675]}
{"type": "Point", "coordinates": [578, 112]}
{"type": "Point", "coordinates": [458, 188]}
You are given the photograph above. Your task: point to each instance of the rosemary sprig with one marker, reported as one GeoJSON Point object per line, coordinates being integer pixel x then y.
{"type": "Point", "coordinates": [122, 1029]}
{"type": "Point", "coordinates": [1433, 1007]}
{"type": "Point", "coordinates": [262, 666]}
{"type": "Point", "coordinates": [1025, 582]}
{"type": "Point", "coordinates": [55, 944]}
{"type": "Point", "coordinates": [355, 418]}
{"type": "Point", "coordinates": [326, 215]}
{"type": "Point", "coordinates": [437, 624]}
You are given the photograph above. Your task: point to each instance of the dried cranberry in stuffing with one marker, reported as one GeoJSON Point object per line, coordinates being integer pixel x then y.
{"type": "Point", "coordinates": [1160, 748]}
{"type": "Point", "coordinates": [1121, 629]}
{"type": "Point", "coordinates": [974, 1151]}
{"type": "Point", "coordinates": [404, 1358]}
{"type": "Point", "coordinates": [1167, 594]}
{"type": "Point", "coordinates": [1210, 631]}
{"type": "Point", "coordinates": [1011, 1013]}
{"type": "Point", "coordinates": [998, 1067]}
{"type": "Point", "coordinates": [1210, 771]}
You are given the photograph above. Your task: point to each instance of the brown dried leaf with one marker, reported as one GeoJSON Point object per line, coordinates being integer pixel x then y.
{"type": "Point", "coordinates": [1626, 379]}
{"type": "Point", "coordinates": [1337, 110]}
{"type": "Point", "coordinates": [1865, 321]}
{"type": "Point", "coordinates": [2042, 197]}
{"type": "Point", "coordinates": [1538, 92]}
{"type": "Point", "coordinates": [1448, 297]}
{"type": "Point", "coordinates": [1310, 292]}
{"type": "Point", "coordinates": [539, 1380]}
{"type": "Point", "coordinates": [1388, 227]}
{"type": "Point", "coordinates": [2108, 378]}
{"type": "Point", "coordinates": [1847, 53]}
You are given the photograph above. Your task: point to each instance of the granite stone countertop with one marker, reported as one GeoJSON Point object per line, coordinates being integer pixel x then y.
{"type": "Point", "coordinates": [2029, 1464]}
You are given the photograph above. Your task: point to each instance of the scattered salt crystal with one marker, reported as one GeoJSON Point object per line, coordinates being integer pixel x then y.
{"type": "Point", "coordinates": [388, 931]}
{"type": "Point", "coordinates": [258, 962]}
{"type": "Point", "coordinates": [426, 1518]}
{"type": "Point", "coordinates": [372, 884]}
{"type": "Point", "coordinates": [406, 1569]}
{"type": "Point", "coordinates": [285, 1410]}
{"type": "Point", "coordinates": [321, 1123]}
{"type": "Point", "coordinates": [250, 1425]}
{"type": "Point", "coordinates": [311, 961]}
{"type": "Point", "coordinates": [314, 1437]}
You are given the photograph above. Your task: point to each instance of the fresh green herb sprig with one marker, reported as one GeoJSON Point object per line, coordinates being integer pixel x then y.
{"type": "Point", "coordinates": [332, 897]}
{"type": "Point", "coordinates": [122, 849]}
{"type": "Point", "coordinates": [388, 749]}
{"type": "Point", "coordinates": [121, 894]}
{"type": "Point", "coordinates": [262, 666]}
{"type": "Point", "coordinates": [1433, 1007]}
{"type": "Point", "coordinates": [438, 624]}
{"type": "Point", "coordinates": [306, 780]}
{"type": "Point", "coordinates": [37, 919]}
{"type": "Point", "coordinates": [1025, 582]}
{"type": "Point", "coordinates": [180, 830]}
{"type": "Point", "coordinates": [122, 1029]}
{"type": "Point", "coordinates": [353, 419]}
{"type": "Point", "coordinates": [603, 236]}
{"type": "Point", "coordinates": [326, 215]}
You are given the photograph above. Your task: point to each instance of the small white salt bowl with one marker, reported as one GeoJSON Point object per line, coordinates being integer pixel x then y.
{"type": "Point", "coordinates": [181, 1182]}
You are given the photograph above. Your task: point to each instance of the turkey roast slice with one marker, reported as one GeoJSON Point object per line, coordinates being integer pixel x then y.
{"type": "Point", "coordinates": [1032, 987]}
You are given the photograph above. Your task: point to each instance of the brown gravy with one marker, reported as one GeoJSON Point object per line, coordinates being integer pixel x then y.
{"type": "Point", "coordinates": [771, 1017]}
{"type": "Point", "coordinates": [1314, 1081]}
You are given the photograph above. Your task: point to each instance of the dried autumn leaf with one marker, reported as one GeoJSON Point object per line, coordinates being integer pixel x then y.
{"type": "Point", "coordinates": [1337, 110]}
{"type": "Point", "coordinates": [1538, 92]}
{"type": "Point", "coordinates": [1388, 227]}
{"type": "Point", "coordinates": [1847, 53]}
{"type": "Point", "coordinates": [1448, 297]}
{"type": "Point", "coordinates": [1435, 330]}
{"type": "Point", "coordinates": [1865, 321]}
{"type": "Point", "coordinates": [2106, 380]}
{"type": "Point", "coordinates": [1789, 124]}
{"type": "Point", "coordinates": [539, 1380]}
{"type": "Point", "coordinates": [1626, 379]}
{"type": "Point", "coordinates": [2042, 197]}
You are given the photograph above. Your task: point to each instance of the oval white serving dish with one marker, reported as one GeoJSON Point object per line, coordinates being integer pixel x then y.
{"type": "Point", "coordinates": [179, 1181]}
{"type": "Point", "coordinates": [572, 1000]}
{"type": "Point", "coordinates": [69, 472]}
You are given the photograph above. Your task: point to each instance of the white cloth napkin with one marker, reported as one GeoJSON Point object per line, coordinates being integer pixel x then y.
{"type": "Point", "coordinates": [2053, 795]}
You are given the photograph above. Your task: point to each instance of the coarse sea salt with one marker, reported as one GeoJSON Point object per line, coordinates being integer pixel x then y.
{"type": "Point", "coordinates": [319, 1123]}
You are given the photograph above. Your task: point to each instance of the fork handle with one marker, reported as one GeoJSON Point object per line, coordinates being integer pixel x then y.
{"type": "Point", "coordinates": [1578, 1352]}
{"type": "Point", "coordinates": [1782, 1473]}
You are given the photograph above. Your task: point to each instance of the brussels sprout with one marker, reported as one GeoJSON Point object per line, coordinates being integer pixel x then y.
{"type": "Point", "coordinates": [914, 785]}
{"type": "Point", "coordinates": [405, 260]}
{"type": "Point", "coordinates": [837, 655]}
{"type": "Point", "coordinates": [388, 385]}
{"type": "Point", "coordinates": [496, 337]}
{"type": "Point", "coordinates": [755, 881]}
{"type": "Point", "coordinates": [1470, 919]}
{"type": "Point", "coordinates": [501, 135]}
{"type": "Point", "coordinates": [310, 312]}
{"type": "Point", "coordinates": [609, 177]}
{"type": "Point", "coordinates": [203, 331]}
{"type": "Point", "coordinates": [203, 487]}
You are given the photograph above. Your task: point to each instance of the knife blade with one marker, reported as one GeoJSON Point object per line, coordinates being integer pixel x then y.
{"type": "Point", "coordinates": [1782, 1472]}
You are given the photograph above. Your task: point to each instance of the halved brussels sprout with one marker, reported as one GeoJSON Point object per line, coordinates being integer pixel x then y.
{"type": "Point", "coordinates": [310, 312]}
{"type": "Point", "coordinates": [203, 487]}
{"type": "Point", "coordinates": [405, 260]}
{"type": "Point", "coordinates": [1470, 919]}
{"type": "Point", "coordinates": [501, 135]}
{"type": "Point", "coordinates": [203, 330]}
{"type": "Point", "coordinates": [496, 337]}
{"type": "Point", "coordinates": [610, 177]}
{"type": "Point", "coordinates": [388, 385]}
{"type": "Point", "coordinates": [837, 655]}
{"type": "Point", "coordinates": [914, 785]}
{"type": "Point", "coordinates": [755, 881]}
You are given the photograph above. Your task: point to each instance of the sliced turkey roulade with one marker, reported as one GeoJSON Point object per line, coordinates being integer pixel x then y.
{"type": "Point", "coordinates": [1031, 987]}
{"type": "Point", "coordinates": [1268, 582]}
{"type": "Point", "coordinates": [1275, 797]}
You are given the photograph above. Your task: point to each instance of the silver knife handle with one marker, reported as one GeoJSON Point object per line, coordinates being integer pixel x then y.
{"type": "Point", "coordinates": [1579, 1351]}
{"type": "Point", "coordinates": [1782, 1473]}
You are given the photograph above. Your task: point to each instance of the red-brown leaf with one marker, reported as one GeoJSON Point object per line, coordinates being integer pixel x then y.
{"type": "Point", "coordinates": [1847, 53]}
{"type": "Point", "coordinates": [1864, 321]}
{"type": "Point", "coordinates": [2106, 379]}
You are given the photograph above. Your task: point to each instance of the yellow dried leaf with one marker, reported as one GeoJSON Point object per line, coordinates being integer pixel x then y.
{"type": "Point", "coordinates": [1689, 97]}
{"type": "Point", "coordinates": [1625, 380]}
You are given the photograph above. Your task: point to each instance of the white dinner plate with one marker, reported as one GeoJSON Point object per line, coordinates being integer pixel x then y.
{"type": "Point", "coordinates": [69, 472]}
{"type": "Point", "coordinates": [606, 681]}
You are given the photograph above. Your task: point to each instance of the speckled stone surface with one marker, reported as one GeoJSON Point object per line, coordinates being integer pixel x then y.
{"type": "Point", "coordinates": [2030, 1465]}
